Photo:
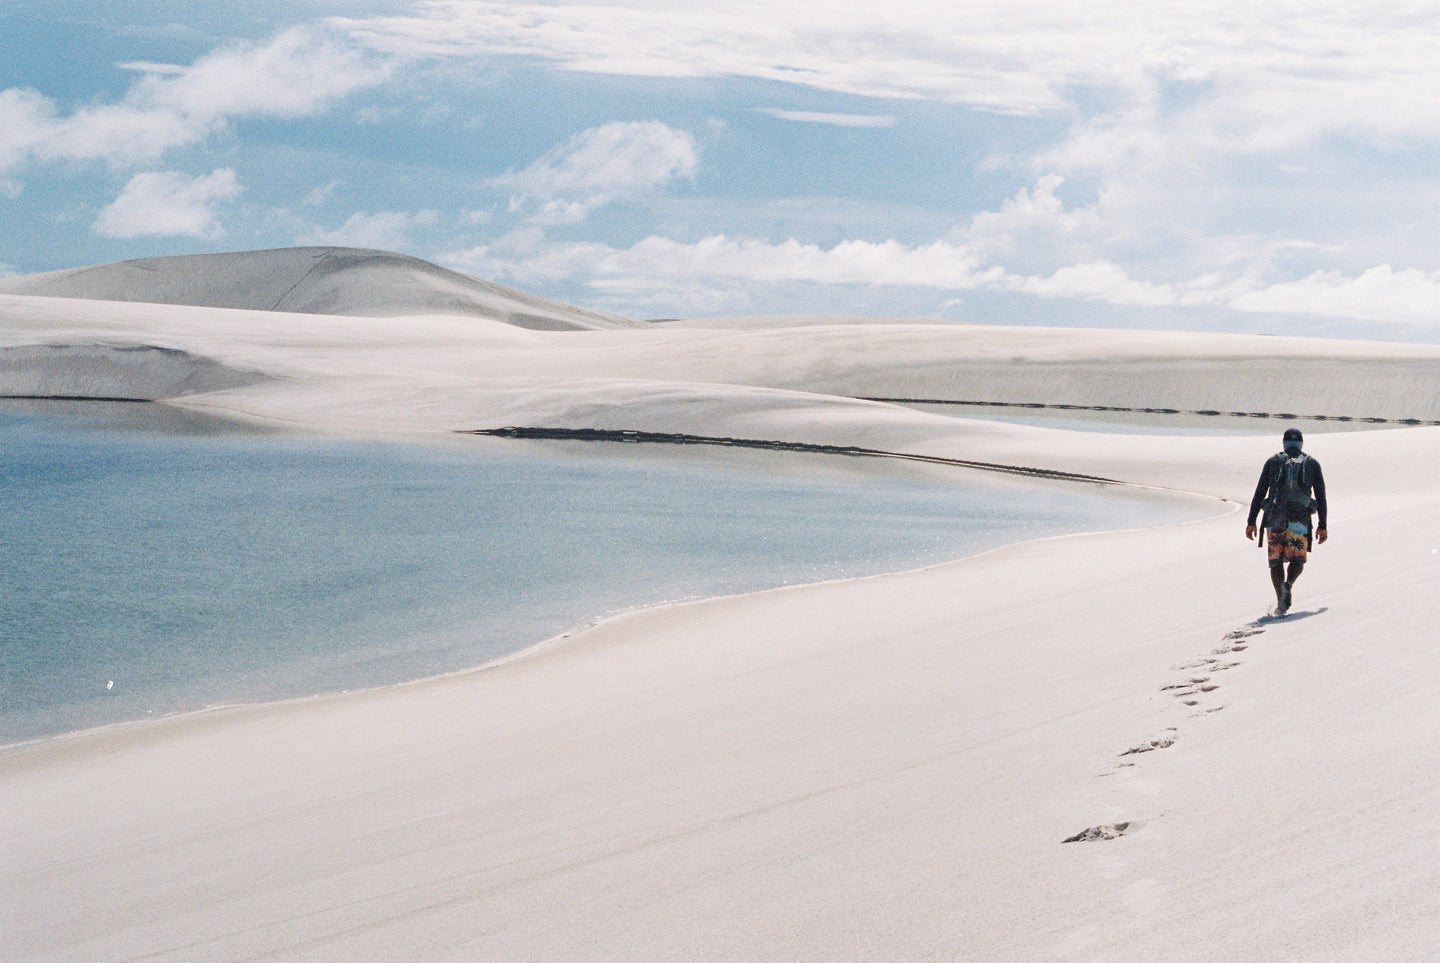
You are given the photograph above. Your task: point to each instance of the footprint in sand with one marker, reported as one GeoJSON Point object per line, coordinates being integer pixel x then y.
{"type": "Point", "coordinates": [1238, 639]}
{"type": "Point", "coordinates": [1210, 662]}
{"type": "Point", "coordinates": [1163, 741]}
{"type": "Point", "coordinates": [1109, 831]}
{"type": "Point", "coordinates": [1189, 692]}
{"type": "Point", "coordinates": [1190, 687]}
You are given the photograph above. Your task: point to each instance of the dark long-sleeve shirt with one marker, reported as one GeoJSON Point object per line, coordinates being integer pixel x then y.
{"type": "Point", "coordinates": [1270, 475]}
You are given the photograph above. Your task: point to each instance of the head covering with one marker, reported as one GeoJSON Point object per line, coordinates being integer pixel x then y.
{"type": "Point", "coordinates": [1293, 434]}
{"type": "Point", "coordinates": [1293, 442]}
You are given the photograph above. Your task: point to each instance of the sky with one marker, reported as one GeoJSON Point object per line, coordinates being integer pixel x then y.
{"type": "Point", "coordinates": [1267, 166]}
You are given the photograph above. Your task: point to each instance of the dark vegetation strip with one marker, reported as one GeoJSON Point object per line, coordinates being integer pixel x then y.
{"type": "Point", "coordinates": [134, 401]}
{"type": "Point", "coordinates": [1207, 412]}
{"type": "Point", "coordinates": [668, 438]}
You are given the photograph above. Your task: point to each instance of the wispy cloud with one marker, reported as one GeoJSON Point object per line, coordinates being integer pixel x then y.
{"type": "Point", "coordinates": [598, 166]}
{"type": "Point", "coordinates": [383, 230]}
{"type": "Point", "coordinates": [906, 49]}
{"type": "Point", "coordinates": [320, 196]}
{"type": "Point", "coordinates": [169, 203]}
{"type": "Point", "coordinates": [150, 67]}
{"type": "Point", "coordinates": [1274, 72]}
{"type": "Point", "coordinates": [299, 72]}
{"type": "Point", "coordinates": [837, 120]}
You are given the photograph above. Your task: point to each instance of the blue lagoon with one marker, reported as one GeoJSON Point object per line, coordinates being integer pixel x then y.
{"type": "Point", "coordinates": [158, 561]}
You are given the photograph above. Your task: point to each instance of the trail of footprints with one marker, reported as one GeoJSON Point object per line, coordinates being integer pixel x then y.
{"type": "Point", "coordinates": [1194, 689]}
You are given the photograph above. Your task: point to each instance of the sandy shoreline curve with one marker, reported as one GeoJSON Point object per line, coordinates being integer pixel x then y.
{"type": "Point", "coordinates": [873, 769]}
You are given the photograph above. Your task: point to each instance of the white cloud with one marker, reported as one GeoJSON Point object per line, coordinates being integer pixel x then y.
{"type": "Point", "coordinates": [169, 203]}
{"type": "Point", "coordinates": [607, 163]}
{"type": "Point", "coordinates": [1379, 294]}
{"type": "Point", "coordinates": [1096, 281]}
{"type": "Point", "coordinates": [320, 196]}
{"type": "Point", "coordinates": [940, 265]}
{"type": "Point", "coordinates": [1033, 221]}
{"type": "Point", "coordinates": [299, 72]}
{"type": "Point", "coordinates": [1128, 138]}
{"type": "Point", "coordinates": [1165, 125]}
{"type": "Point", "coordinates": [854, 47]}
{"type": "Point", "coordinates": [383, 230]}
{"type": "Point", "coordinates": [721, 273]}
{"type": "Point", "coordinates": [1176, 117]}
{"type": "Point", "coordinates": [25, 116]}
{"type": "Point", "coordinates": [837, 120]}
{"type": "Point", "coordinates": [1274, 72]}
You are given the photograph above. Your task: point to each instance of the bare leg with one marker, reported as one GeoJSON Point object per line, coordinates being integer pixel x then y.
{"type": "Point", "coordinates": [1297, 565]}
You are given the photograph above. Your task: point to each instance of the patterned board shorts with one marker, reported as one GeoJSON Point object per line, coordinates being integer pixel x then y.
{"type": "Point", "coordinates": [1288, 546]}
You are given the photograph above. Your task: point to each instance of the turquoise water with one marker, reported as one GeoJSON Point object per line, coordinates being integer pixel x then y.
{"type": "Point", "coordinates": [155, 561]}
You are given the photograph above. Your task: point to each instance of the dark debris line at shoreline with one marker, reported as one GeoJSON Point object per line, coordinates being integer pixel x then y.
{"type": "Point", "coordinates": [669, 438]}
{"type": "Point", "coordinates": [1206, 412]}
{"type": "Point", "coordinates": [104, 398]}
{"type": "Point", "coordinates": [628, 436]}
{"type": "Point", "coordinates": [1026, 405]}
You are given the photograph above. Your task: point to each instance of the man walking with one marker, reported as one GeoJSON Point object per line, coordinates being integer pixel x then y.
{"type": "Point", "coordinates": [1291, 490]}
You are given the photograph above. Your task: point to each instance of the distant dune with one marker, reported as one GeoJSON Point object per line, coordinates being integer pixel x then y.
{"type": "Point", "coordinates": [312, 280]}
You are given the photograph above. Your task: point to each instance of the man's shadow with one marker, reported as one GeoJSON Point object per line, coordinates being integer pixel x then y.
{"type": "Point", "coordinates": [1288, 617]}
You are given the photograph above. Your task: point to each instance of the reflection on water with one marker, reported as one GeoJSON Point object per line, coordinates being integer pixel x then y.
{"type": "Point", "coordinates": [156, 560]}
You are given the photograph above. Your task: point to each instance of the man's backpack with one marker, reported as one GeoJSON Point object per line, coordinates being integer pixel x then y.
{"type": "Point", "coordinates": [1290, 499]}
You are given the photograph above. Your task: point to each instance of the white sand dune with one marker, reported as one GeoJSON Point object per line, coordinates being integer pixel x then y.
{"type": "Point", "coordinates": [311, 280]}
{"type": "Point", "coordinates": [874, 769]}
